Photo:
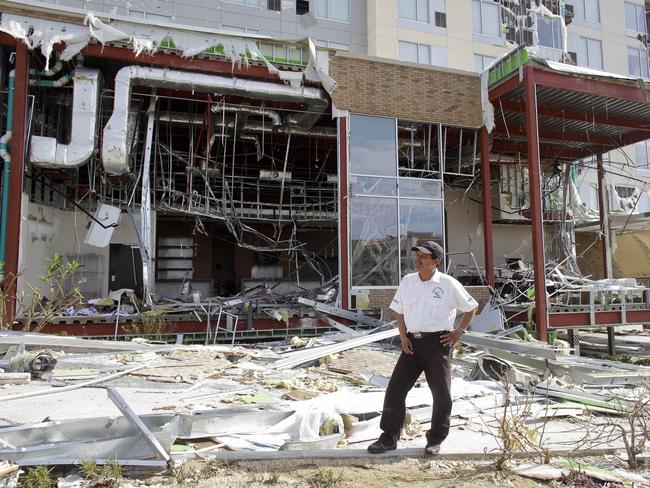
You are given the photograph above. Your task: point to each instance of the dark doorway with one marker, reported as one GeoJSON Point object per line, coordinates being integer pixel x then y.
{"type": "Point", "coordinates": [125, 268]}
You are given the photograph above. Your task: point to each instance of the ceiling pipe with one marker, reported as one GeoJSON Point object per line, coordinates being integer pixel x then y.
{"type": "Point", "coordinates": [115, 147]}
{"type": "Point", "coordinates": [47, 152]}
{"type": "Point", "coordinates": [275, 117]}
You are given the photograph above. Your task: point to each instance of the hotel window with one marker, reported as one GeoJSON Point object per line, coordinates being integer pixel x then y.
{"type": "Point", "coordinates": [333, 10]}
{"type": "Point", "coordinates": [481, 62]}
{"type": "Point", "coordinates": [637, 62]}
{"type": "Point", "coordinates": [587, 52]}
{"type": "Point", "coordinates": [634, 19]}
{"type": "Point", "coordinates": [414, 53]}
{"type": "Point", "coordinates": [332, 44]}
{"type": "Point", "coordinates": [585, 10]}
{"type": "Point", "coordinates": [549, 31]}
{"type": "Point", "coordinates": [248, 3]}
{"type": "Point", "coordinates": [486, 19]}
{"type": "Point", "coordinates": [642, 155]}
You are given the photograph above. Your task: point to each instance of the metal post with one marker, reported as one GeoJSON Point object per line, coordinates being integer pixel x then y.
{"type": "Point", "coordinates": [605, 240]}
{"type": "Point", "coordinates": [537, 221]}
{"type": "Point", "coordinates": [344, 265]}
{"type": "Point", "coordinates": [18, 146]}
{"type": "Point", "coordinates": [147, 251]}
{"type": "Point", "coordinates": [487, 208]}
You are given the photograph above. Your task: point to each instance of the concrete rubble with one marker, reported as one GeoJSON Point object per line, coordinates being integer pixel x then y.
{"type": "Point", "coordinates": [150, 404]}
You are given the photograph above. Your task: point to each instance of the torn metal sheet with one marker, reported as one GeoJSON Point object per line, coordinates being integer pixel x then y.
{"type": "Point", "coordinates": [294, 359]}
{"type": "Point", "coordinates": [339, 312]}
{"type": "Point", "coordinates": [213, 423]}
{"type": "Point", "coordinates": [94, 438]}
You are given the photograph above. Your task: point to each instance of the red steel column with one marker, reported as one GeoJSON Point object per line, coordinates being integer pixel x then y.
{"type": "Point", "coordinates": [487, 208]}
{"type": "Point", "coordinates": [18, 144]}
{"type": "Point", "coordinates": [537, 221]}
{"type": "Point", "coordinates": [344, 266]}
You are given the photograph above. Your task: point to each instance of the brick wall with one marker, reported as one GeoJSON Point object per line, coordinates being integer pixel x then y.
{"type": "Point", "coordinates": [374, 86]}
{"type": "Point", "coordinates": [382, 298]}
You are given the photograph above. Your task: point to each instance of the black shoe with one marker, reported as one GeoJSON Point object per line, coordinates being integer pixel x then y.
{"type": "Point", "coordinates": [432, 448]}
{"type": "Point", "coordinates": [383, 444]}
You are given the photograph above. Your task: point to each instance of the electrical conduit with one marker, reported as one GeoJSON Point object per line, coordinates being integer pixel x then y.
{"type": "Point", "coordinates": [6, 157]}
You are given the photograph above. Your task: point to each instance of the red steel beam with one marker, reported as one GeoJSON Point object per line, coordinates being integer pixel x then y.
{"type": "Point", "coordinates": [588, 117]}
{"type": "Point", "coordinates": [601, 88]}
{"type": "Point", "coordinates": [564, 320]}
{"type": "Point", "coordinates": [504, 88]}
{"type": "Point", "coordinates": [7, 40]}
{"type": "Point", "coordinates": [176, 62]}
{"type": "Point", "coordinates": [343, 213]}
{"type": "Point", "coordinates": [545, 152]}
{"type": "Point", "coordinates": [18, 143]}
{"type": "Point", "coordinates": [488, 244]}
{"type": "Point", "coordinates": [537, 221]}
{"type": "Point", "coordinates": [559, 136]}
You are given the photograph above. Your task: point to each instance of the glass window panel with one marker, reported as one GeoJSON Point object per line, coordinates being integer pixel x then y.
{"type": "Point", "coordinates": [408, 51]}
{"type": "Point", "coordinates": [339, 45]}
{"type": "Point", "coordinates": [490, 17]}
{"type": "Point", "coordinates": [339, 10]}
{"type": "Point", "coordinates": [478, 63]}
{"type": "Point", "coordinates": [592, 11]}
{"type": "Point", "coordinates": [424, 54]}
{"type": "Point", "coordinates": [595, 50]}
{"type": "Point", "coordinates": [418, 150]}
{"type": "Point", "coordinates": [642, 155]}
{"type": "Point", "coordinates": [439, 6]}
{"type": "Point", "coordinates": [423, 11]}
{"type": "Point", "coordinates": [321, 8]}
{"type": "Point", "coordinates": [374, 241]}
{"type": "Point", "coordinates": [640, 19]}
{"type": "Point", "coordinates": [476, 17]}
{"type": "Point", "coordinates": [370, 185]}
{"type": "Point", "coordinates": [644, 62]}
{"type": "Point", "coordinates": [630, 17]}
{"type": "Point", "coordinates": [420, 188]}
{"type": "Point", "coordinates": [420, 220]}
{"type": "Point", "coordinates": [633, 61]}
{"type": "Point", "coordinates": [407, 9]}
{"type": "Point", "coordinates": [545, 31]}
{"type": "Point", "coordinates": [372, 145]}
{"type": "Point", "coordinates": [439, 56]}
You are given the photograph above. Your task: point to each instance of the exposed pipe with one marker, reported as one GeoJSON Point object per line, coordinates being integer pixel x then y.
{"type": "Point", "coordinates": [45, 151]}
{"type": "Point", "coordinates": [115, 150]}
{"type": "Point", "coordinates": [182, 118]}
{"type": "Point", "coordinates": [6, 157]}
{"type": "Point", "coordinates": [275, 117]}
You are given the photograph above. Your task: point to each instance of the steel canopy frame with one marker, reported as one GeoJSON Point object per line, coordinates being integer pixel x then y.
{"type": "Point", "coordinates": [539, 144]}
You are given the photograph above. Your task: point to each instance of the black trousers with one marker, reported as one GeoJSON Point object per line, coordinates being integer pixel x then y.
{"type": "Point", "coordinates": [432, 357]}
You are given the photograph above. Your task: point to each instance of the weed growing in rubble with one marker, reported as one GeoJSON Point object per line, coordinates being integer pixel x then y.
{"type": "Point", "coordinates": [152, 324]}
{"type": "Point", "coordinates": [213, 466]}
{"type": "Point", "coordinates": [325, 478]}
{"type": "Point", "coordinates": [38, 309]}
{"type": "Point", "coordinates": [107, 475]}
{"type": "Point", "coordinates": [39, 477]}
{"type": "Point", "coordinates": [186, 473]}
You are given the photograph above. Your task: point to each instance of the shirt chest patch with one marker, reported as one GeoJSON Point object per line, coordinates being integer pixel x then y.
{"type": "Point", "coordinates": [437, 293]}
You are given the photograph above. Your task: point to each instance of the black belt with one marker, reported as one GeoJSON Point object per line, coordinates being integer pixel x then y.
{"type": "Point", "coordinates": [420, 335]}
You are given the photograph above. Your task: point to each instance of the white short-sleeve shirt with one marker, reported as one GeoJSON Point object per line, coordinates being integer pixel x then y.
{"type": "Point", "coordinates": [430, 306]}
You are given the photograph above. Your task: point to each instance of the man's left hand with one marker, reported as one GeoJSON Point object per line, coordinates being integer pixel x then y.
{"type": "Point", "coordinates": [450, 339]}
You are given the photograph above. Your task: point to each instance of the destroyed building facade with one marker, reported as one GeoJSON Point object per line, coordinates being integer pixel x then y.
{"type": "Point", "coordinates": [184, 160]}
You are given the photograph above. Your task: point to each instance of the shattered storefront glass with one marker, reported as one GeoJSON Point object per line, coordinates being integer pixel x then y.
{"type": "Point", "coordinates": [420, 220]}
{"type": "Point", "coordinates": [374, 243]}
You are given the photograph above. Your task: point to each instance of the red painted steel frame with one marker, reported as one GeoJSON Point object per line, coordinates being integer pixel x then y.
{"type": "Point", "coordinates": [17, 175]}
{"type": "Point", "coordinates": [541, 322]}
{"type": "Point", "coordinates": [343, 213]}
{"type": "Point", "coordinates": [487, 208]}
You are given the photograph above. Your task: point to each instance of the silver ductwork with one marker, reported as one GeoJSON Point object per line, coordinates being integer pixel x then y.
{"type": "Point", "coordinates": [46, 151]}
{"type": "Point", "coordinates": [262, 112]}
{"type": "Point", "coordinates": [250, 126]}
{"type": "Point", "coordinates": [115, 148]}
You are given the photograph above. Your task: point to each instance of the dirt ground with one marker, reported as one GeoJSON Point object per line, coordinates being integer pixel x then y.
{"type": "Point", "coordinates": [411, 473]}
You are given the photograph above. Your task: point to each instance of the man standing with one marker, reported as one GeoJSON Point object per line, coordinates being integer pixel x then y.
{"type": "Point", "coordinates": [426, 304]}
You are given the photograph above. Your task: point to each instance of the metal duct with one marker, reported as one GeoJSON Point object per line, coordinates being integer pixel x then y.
{"type": "Point", "coordinates": [186, 119]}
{"type": "Point", "coordinates": [262, 112]}
{"type": "Point", "coordinates": [45, 151]}
{"type": "Point", "coordinates": [115, 150]}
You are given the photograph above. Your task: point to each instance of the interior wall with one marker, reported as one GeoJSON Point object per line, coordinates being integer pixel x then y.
{"type": "Point", "coordinates": [48, 230]}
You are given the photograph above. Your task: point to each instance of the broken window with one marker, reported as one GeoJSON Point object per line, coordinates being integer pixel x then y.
{"type": "Point", "coordinates": [460, 150]}
{"type": "Point", "coordinates": [419, 220]}
{"type": "Point", "coordinates": [302, 7]}
{"type": "Point", "coordinates": [419, 150]}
